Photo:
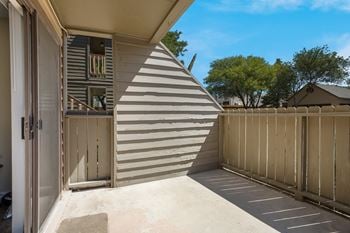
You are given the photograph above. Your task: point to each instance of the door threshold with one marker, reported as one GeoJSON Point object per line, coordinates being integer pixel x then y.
{"type": "Point", "coordinates": [90, 184]}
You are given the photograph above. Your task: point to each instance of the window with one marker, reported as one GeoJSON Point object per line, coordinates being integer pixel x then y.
{"type": "Point", "coordinates": [97, 58]}
{"type": "Point", "coordinates": [97, 98]}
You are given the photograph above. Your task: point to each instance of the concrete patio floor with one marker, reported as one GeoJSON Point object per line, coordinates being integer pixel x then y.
{"type": "Point", "coordinates": [216, 201]}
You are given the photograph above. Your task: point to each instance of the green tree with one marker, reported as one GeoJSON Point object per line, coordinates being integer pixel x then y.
{"type": "Point", "coordinates": [173, 42]}
{"type": "Point", "coordinates": [284, 84]}
{"type": "Point", "coordinates": [245, 77]}
{"type": "Point", "coordinates": [319, 64]}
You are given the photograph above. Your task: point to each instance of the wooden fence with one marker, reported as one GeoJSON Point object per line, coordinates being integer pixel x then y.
{"type": "Point", "coordinates": [89, 150]}
{"type": "Point", "coordinates": [303, 150]}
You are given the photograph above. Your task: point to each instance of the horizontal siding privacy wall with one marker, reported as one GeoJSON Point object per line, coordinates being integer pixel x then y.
{"type": "Point", "coordinates": [303, 150]}
{"type": "Point", "coordinates": [78, 80]}
{"type": "Point", "coordinates": [165, 122]}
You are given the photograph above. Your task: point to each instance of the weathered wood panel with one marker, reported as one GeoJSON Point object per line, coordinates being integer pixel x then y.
{"type": "Point", "coordinates": [165, 122]}
{"type": "Point", "coordinates": [89, 151]}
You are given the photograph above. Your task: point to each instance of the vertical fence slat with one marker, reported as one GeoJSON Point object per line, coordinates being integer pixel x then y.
{"type": "Point", "coordinates": [250, 141]}
{"type": "Point", "coordinates": [255, 141]}
{"type": "Point", "coordinates": [92, 148]}
{"type": "Point", "coordinates": [280, 142]}
{"type": "Point", "coordinates": [236, 140]}
{"type": "Point", "coordinates": [326, 159]}
{"type": "Point", "coordinates": [82, 150]}
{"type": "Point", "coordinates": [271, 144]}
{"type": "Point", "coordinates": [263, 142]}
{"type": "Point", "coordinates": [104, 145]}
{"type": "Point", "coordinates": [313, 152]}
{"type": "Point", "coordinates": [242, 137]}
{"type": "Point", "coordinates": [301, 147]}
{"type": "Point", "coordinates": [290, 144]}
{"type": "Point", "coordinates": [342, 157]}
{"type": "Point", "coordinates": [73, 150]}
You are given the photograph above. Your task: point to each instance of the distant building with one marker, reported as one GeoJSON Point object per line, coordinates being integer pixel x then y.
{"type": "Point", "coordinates": [229, 101]}
{"type": "Point", "coordinates": [319, 95]}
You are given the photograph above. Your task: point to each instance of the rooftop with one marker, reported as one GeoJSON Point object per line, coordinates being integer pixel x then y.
{"type": "Point", "coordinates": [338, 91]}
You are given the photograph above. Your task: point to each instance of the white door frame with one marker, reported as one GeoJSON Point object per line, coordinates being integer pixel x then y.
{"type": "Point", "coordinates": [18, 90]}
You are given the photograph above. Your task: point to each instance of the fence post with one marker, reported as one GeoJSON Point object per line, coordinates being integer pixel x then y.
{"type": "Point", "coordinates": [221, 135]}
{"type": "Point", "coordinates": [301, 156]}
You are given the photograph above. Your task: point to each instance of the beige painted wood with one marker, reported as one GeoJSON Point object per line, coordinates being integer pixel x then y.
{"type": "Point", "coordinates": [166, 152]}
{"type": "Point", "coordinates": [82, 149]}
{"type": "Point", "coordinates": [160, 90]}
{"type": "Point", "coordinates": [92, 148]}
{"type": "Point", "coordinates": [263, 141]}
{"type": "Point", "coordinates": [342, 156]}
{"type": "Point", "coordinates": [223, 147]}
{"type": "Point", "coordinates": [242, 140]}
{"type": "Point", "coordinates": [255, 139]}
{"type": "Point", "coordinates": [163, 116]}
{"type": "Point", "coordinates": [235, 139]}
{"type": "Point", "coordinates": [304, 148]}
{"type": "Point", "coordinates": [272, 147]}
{"type": "Point", "coordinates": [166, 123]}
{"type": "Point", "coordinates": [149, 79]}
{"type": "Point", "coordinates": [89, 151]}
{"type": "Point", "coordinates": [228, 141]}
{"type": "Point", "coordinates": [125, 127]}
{"type": "Point", "coordinates": [73, 152]}
{"type": "Point", "coordinates": [289, 147]}
{"type": "Point", "coordinates": [280, 143]}
{"type": "Point", "coordinates": [326, 155]}
{"type": "Point", "coordinates": [174, 99]}
{"type": "Point", "coordinates": [249, 140]}
{"type": "Point", "coordinates": [160, 135]}
{"type": "Point", "coordinates": [165, 108]}
{"type": "Point", "coordinates": [130, 69]}
{"type": "Point", "coordinates": [104, 147]}
{"type": "Point", "coordinates": [313, 153]}
{"type": "Point", "coordinates": [164, 143]}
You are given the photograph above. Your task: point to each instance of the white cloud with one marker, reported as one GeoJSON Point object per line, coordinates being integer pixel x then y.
{"type": "Point", "coordinates": [344, 45]}
{"type": "Point", "coordinates": [339, 43]}
{"type": "Point", "coordinates": [331, 4]}
{"type": "Point", "coordinates": [263, 6]}
{"type": "Point", "coordinates": [252, 6]}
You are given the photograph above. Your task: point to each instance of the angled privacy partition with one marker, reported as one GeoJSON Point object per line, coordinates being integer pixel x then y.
{"type": "Point", "coordinates": [166, 124]}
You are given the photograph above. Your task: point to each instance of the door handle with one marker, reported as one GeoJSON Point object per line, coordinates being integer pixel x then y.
{"type": "Point", "coordinates": [22, 127]}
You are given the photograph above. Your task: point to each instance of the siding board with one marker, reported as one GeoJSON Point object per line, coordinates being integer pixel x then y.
{"type": "Point", "coordinates": [77, 74]}
{"type": "Point", "coordinates": [165, 123]}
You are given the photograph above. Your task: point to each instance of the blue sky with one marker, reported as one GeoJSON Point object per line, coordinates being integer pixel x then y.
{"type": "Point", "coordinates": [269, 28]}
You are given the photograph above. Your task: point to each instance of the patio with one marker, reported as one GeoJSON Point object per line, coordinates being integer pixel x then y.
{"type": "Point", "coordinates": [213, 201]}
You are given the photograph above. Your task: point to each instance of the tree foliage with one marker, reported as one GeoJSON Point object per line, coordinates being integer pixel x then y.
{"type": "Point", "coordinates": [319, 64]}
{"type": "Point", "coordinates": [245, 77]}
{"type": "Point", "coordinates": [309, 66]}
{"type": "Point", "coordinates": [173, 42]}
{"type": "Point", "coordinates": [285, 84]}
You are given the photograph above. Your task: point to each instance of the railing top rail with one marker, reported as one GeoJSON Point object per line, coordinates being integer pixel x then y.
{"type": "Point", "coordinates": [336, 111]}
{"type": "Point", "coordinates": [88, 116]}
{"type": "Point", "coordinates": [82, 103]}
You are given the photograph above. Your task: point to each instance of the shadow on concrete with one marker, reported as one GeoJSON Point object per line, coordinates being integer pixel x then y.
{"type": "Point", "coordinates": [276, 209]}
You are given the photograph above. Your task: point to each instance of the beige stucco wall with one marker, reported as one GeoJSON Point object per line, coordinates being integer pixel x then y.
{"type": "Point", "coordinates": [5, 103]}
